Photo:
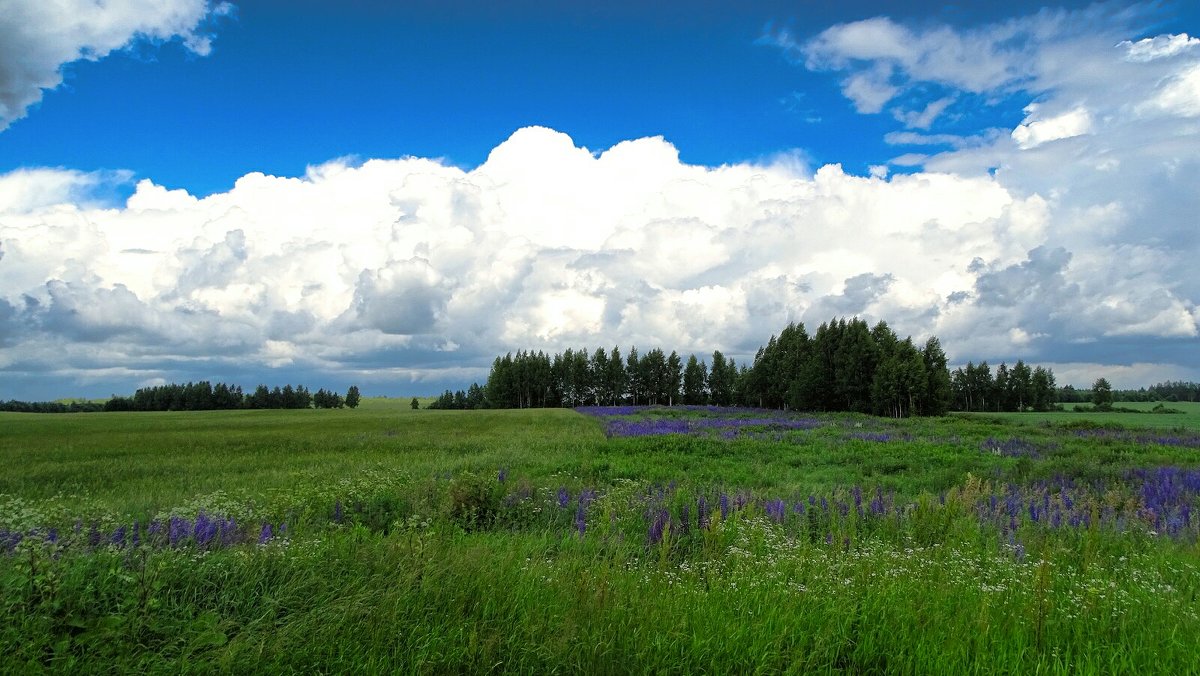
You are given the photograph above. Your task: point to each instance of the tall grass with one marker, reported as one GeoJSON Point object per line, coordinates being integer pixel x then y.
{"type": "Point", "coordinates": [528, 541]}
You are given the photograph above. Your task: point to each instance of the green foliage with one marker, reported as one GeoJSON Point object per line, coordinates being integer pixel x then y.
{"type": "Point", "coordinates": [845, 366]}
{"type": "Point", "coordinates": [472, 501]}
{"type": "Point", "coordinates": [1102, 395]}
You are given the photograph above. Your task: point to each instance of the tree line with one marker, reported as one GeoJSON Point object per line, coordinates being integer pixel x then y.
{"type": "Point", "coordinates": [843, 366]}
{"type": "Point", "coordinates": [586, 378]}
{"type": "Point", "coordinates": [468, 399]}
{"type": "Point", "coordinates": [15, 406]}
{"type": "Point", "coordinates": [1170, 391]}
{"type": "Point", "coordinates": [205, 396]}
{"type": "Point", "coordinates": [1020, 388]}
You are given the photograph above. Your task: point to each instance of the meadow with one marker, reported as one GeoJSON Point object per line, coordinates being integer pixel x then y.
{"type": "Point", "coordinates": [1188, 416]}
{"type": "Point", "coordinates": [607, 540]}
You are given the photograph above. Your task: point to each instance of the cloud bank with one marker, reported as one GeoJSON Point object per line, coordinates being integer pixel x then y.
{"type": "Point", "coordinates": [410, 270]}
{"type": "Point", "coordinates": [39, 37]}
{"type": "Point", "coordinates": [1108, 146]}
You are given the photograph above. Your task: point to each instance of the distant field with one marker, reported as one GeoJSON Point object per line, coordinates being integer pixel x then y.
{"type": "Point", "coordinates": [1189, 419]}
{"type": "Point", "coordinates": [536, 541]}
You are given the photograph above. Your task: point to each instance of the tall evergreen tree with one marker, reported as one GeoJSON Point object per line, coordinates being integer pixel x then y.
{"type": "Point", "coordinates": [694, 382]}
{"type": "Point", "coordinates": [720, 386]}
{"type": "Point", "coordinates": [633, 376]}
{"type": "Point", "coordinates": [617, 381]}
{"type": "Point", "coordinates": [938, 393]}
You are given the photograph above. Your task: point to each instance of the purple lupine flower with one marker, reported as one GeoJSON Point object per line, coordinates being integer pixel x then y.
{"type": "Point", "coordinates": [580, 519]}
{"type": "Point", "coordinates": [204, 530]}
{"type": "Point", "coordinates": [587, 496]}
{"type": "Point", "coordinates": [264, 535]}
{"type": "Point", "coordinates": [118, 537]}
{"type": "Point", "coordinates": [10, 539]}
{"type": "Point", "coordinates": [51, 536]}
{"type": "Point", "coordinates": [564, 498]}
{"type": "Point", "coordinates": [229, 532]}
{"type": "Point", "coordinates": [1174, 524]}
{"type": "Point", "coordinates": [702, 513]}
{"type": "Point", "coordinates": [177, 529]}
{"type": "Point", "coordinates": [657, 526]}
{"type": "Point", "coordinates": [502, 475]}
{"type": "Point", "coordinates": [776, 510]}
{"type": "Point", "coordinates": [1012, 501]}
{"type": "Point", "coordinates": [283, 529]}
{"type": "Point", "coordinates": [137, 534]}
{"type": "Point", "coordinates": [338, 514]}
{"type": "Point", "coordinates": [740, 500]}
{"type": "Point", "coordinates": [857, 493]}
{"type": "Point", "coordinates": [879, 507]}
{"type": "Point", "coordinates": [723, 502]}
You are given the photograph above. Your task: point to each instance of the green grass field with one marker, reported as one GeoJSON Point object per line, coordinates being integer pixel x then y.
{"type": "Point", "coordinates": [1188, 419]}
{"type": "Point", "coordinates": [386, 539]}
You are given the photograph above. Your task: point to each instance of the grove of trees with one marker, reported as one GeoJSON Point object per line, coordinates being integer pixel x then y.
{"type": "Point", "coordinates": [1020, 388]}
{"type": "Point", "coordinates": [205, 396]}
{"type": "Point", "coordinates": [844, 366]}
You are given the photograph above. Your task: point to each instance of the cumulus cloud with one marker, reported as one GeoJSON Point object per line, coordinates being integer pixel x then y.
{"type": "Point", "coordinates": [1159, 46]}
{"type": "Point", "coordinates": [410, 269]}
{"type": "Point", "coordinates": [1101, 169]}
{"type": "Point", "coordinates": [39, 37]}
{"type": "Point", "coordinates": [1036, 130]}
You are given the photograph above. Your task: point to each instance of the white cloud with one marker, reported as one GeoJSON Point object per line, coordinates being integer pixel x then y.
{"type": "Point", "coordinates": [1159, 47]}
{"type": "Point", "coordinates": [1180, 94]}
{"type": "Point", "coordinates": [924, 118]}
{"type": "Point", "coordinates": [546, 245]}
{"type": "Point", "coordinates": [879, 50]}
{"type": "Point", "coordinates": [39, 37]}
{"type": "Point", "coordinates": [909, 138]}
{"type": "Point", "coordinates": [870, 90]}
{"type": "Point", "coordinates": [1034, 131]}
{"type": "Point", "coordinates": [413, 268]}
{"type": "Point", "coordinates": [1122, 376]}
{"type": "Point", "coordinates": [1101, 170]}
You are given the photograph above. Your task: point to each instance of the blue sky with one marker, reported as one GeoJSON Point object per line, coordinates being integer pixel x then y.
{"type": "Point", "coordinates": [1012, 149]}
{"type": "Point", "coordinates": [290, 85]}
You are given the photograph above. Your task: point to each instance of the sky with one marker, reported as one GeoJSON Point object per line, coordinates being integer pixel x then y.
{"type": "Point", "coordinates": [391, 194]}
